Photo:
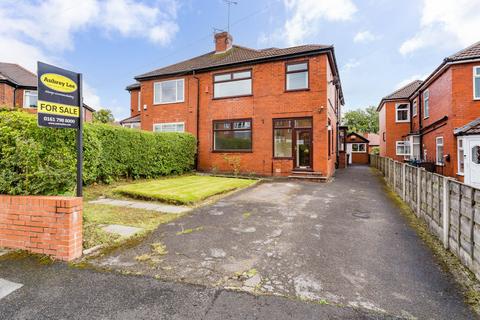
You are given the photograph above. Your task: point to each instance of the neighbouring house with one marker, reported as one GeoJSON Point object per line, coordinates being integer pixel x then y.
{"type": "Point", "coordinates": [269, 112]}
{"type": "Point", "coordinates": [357, 148]}
{"type": "Point", "coordinates": [437, 122]}
{"type": "Point", "coordinates": [18, 88]}
{"type": "Point", "coordinates": [373, 141]}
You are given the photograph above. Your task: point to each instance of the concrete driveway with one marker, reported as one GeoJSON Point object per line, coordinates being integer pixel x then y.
{"type": "Point", "coordinates": [338, 243]}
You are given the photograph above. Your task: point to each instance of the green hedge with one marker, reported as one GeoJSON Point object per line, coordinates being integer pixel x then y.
{"type": "Point", "coordinates": [37, 160]}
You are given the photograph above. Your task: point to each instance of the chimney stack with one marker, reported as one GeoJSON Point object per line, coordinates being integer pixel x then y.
{"type": "Point", "coordinates": [223, 42]}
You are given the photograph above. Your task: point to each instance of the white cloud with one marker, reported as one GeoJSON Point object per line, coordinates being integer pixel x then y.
{"type": "Point", "coordinates": [351, 64]}
{"type": "Point", "coordinates": [306, 14]}
{"type": "Point", "coordinates": [364, 37]}
{"type": "Point", "coordinates": [44, 30]}
{"type": "Point", "coordinates": [404, 82]}
{"type": "Point", "coordinates": [444, 22]}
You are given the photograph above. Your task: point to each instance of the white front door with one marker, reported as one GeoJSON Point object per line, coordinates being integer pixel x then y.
{"type": "Point", "coordinates": [472, 161]}
{"type": "Point", "coordinates": [349, 153]}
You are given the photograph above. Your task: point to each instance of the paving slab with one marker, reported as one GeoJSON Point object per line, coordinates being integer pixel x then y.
{"type": "Point", "coordinates": [124, 231]}
{"type": "Point", "coordinates": [7, 287]}
{"type": "Point", "coordinates": [164, 208]}
{"type": "Point", "coordinates": [307, 241]}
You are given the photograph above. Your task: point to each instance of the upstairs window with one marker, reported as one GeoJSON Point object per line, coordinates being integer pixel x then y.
{"type": "Point", "coordinates": [234, 84]}
{"type": "Point", "coordinates": [476, 83]}
{"type": "Point", "coordinates": [30, 99]}
{"type": "Point", "coordinates": [414, 108]}
{"type": "Point", "coordinates": [232, 135]}
{"type": "Point", "coordinates": [296, 76]}
{"type": "Point", "coordinates": [439, 150]}
{"type": "Point", "coordinates": [402, 112]}
{"type": "Point", "coordinates": [426, 104]}
{"type": "Point", "coordinates": [170, 91]}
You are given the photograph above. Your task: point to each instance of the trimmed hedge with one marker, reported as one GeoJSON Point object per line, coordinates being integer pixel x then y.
{"type": "Point", "coordinates": [36, 160]}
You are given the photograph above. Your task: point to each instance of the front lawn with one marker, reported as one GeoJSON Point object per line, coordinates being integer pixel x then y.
{"type": "Point", "coordinates": [96, 215]}
{"type": "Point", "coordinates": [183, 190]}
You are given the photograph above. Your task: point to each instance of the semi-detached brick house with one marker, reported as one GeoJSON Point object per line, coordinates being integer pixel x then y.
{"type": "Point", "coordinates": [18, 88]}
{"type": "Point", "coordinates": [274, 110]}
{"type": "Point", "coordinates": [438, 120]}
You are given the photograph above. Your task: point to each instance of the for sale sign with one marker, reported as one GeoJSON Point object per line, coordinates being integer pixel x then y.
{"type": "Point", "coordinates": [59, 99]}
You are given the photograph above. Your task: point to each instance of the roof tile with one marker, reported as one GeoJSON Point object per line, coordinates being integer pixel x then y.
{"type": "Point", "coordinates": [17, 74]}
{"type": "Point", "coordinates": [237, 54]}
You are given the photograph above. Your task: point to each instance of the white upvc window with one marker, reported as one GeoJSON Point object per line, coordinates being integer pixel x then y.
{"type": "Point", "coordinates": [460, 156]}
{"type": "Point", "coordinates": [169, 127]}
{"type": "Point", "coordinates": [170, 91]}
{"type": "Point", "coordinates": [402, 112]}
{"type": "Point", "coordinates": [439, 151]}
{"type": "Point", "coordinates": [426, 104]}
{"type": "Point", "coordinates": [476, 83]}
{"type": "Point", "coordinates": [133, 125]}
{"type": "Point", "coordinates": [415, 148]}
{"type": "Point", "coordinates": [414, 108]}
{"type": "Point", "coordinates": [359, 147]}
{"type": "Point", "coordinates": [403, 148]}
{"type": "Point", "coordinates": [30, 99]}
{"type": "Point", "coordinates": [138, 101]}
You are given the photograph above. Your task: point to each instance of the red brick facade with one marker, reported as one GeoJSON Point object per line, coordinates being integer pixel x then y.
{"type": "Point", "coordinates": [269, 100]}
{"type": "Point", "coordinates": [391, 131]}
{"type": "Point", "coordinates": [45, 225]}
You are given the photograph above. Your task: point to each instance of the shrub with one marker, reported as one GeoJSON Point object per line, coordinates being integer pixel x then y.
{"type": "Point", "coordinates": [36, 160]}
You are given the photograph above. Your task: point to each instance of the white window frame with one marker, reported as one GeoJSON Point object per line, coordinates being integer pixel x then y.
{"type": "Point", "coordinates": [360, 143]}
{"type": "Point", "coordinates": [396, 112]}
{"type": "Point", "coordinates": [426, 97]}
{"type": "Point", "coordinates": [405, 145]}
{"type": "Point", "coordinates": [168, 123]}
{"type": "Point", "coordinates": [412, 146]}
{"type": "Point", "coordinates": [475, 76]}
{"type": "Point", "coordinates": [131, 125]}
{"type": "Point", "coordinates": [138, 101]}
{"type": "Point", "coordinates": [414, 107]}
{"type": "Point", "coordinates": [460, 140]}
{"type": "Point", "coordinates": [24, 98]}
{"type": "Point", "coordinates": [437, 144]}
{"type": "Point", "coordinates": [160, 83]}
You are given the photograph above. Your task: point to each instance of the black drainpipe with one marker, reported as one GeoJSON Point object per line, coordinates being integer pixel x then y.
{"type": "Point", "coordinates": [14, 95]}
{"type": "Point", "coordinates": [198, 119]}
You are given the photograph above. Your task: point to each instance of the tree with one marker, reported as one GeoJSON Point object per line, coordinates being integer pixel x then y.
{"type": "Point", "coordinates": [103, 116]}
{"type": "Point", "coordinates": [362, 120]}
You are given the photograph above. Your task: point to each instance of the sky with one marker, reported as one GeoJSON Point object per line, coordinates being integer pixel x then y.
{"type": "Point", "coordinates": [380, 45]}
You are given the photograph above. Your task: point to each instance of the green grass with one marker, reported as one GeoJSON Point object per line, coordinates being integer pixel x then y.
{"type": "Point", "coordinates": [182, 190]}
{"type": "Point", "coordinates": [96, 215]}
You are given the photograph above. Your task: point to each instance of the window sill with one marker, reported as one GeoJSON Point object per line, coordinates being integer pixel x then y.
{"type": "Point", "coordinates": [425, 118]}
{"type": "Point", "coordinates": [232, 151]}
{"type": "Point", "coordinates": [282, 158]}
{"type": "Point", "coordinates": [297, 90]}
{"type": "Point", "coordinates": [402, 121]}
{"type": "Point", "coordinates": [233, 97]}
{"type": "Point", "coordinates": [164, 103]}
{"type": "Point", "coordinates": [440, 164]}
{"type": "Point", "coordinates": [460, 174]}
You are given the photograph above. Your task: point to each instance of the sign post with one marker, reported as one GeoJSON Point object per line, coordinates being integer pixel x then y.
{"type": "Point", "coordinates": [60, 105]}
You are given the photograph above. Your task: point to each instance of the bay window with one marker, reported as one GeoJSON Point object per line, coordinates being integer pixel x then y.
{"type": "Point", "coordinates": [170, 91]}
{"type": "Point", "coordinates": [233, 84]}
{"type": "Point", "coordinates": [30, 99]}
{"type": "Point", "coordinates": [402, 148]}
{"type": "Point", "coordinates": [232, 135]}
{"type": "Point", "coordinates": [169, 127]}
{"type": "Point", "coordinates": [296, 76]}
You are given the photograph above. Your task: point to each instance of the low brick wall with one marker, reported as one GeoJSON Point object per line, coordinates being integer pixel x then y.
{"type": "Point", "coordinates": [42, 224]}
